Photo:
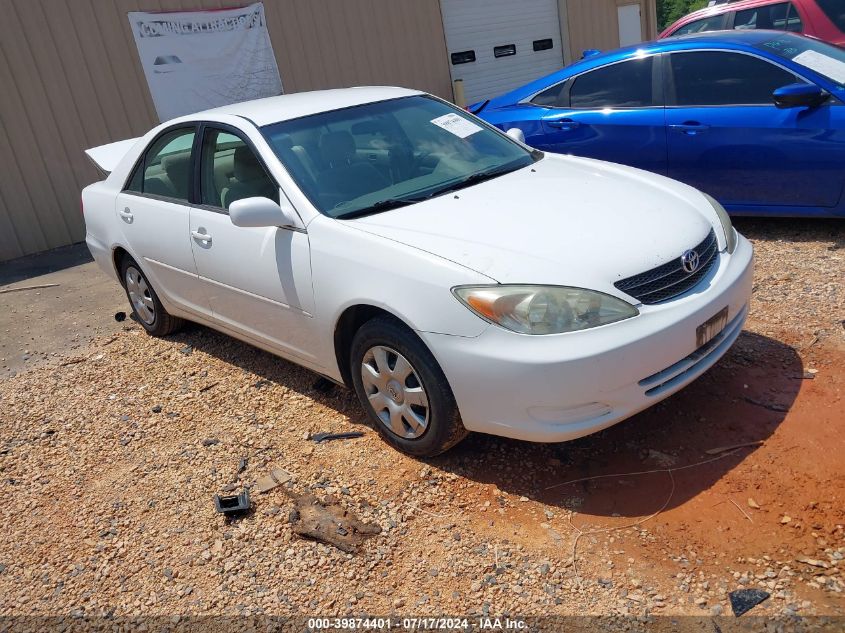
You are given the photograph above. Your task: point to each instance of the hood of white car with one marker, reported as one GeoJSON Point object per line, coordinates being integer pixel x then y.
{"type": "Point", "coordinates": [563, 221]}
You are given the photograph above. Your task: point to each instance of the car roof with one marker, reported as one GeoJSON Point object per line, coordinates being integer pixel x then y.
{"type": "Point", "coordinates": [707, 39]}
{"type": "Point", "coordinates": [710, 39]}
{"type": "Point", "coordinates": [740, 37]}
{"type": "Point", "coordinates": [721, 8]}
{"type": "Point", "coordinates": [295, 105]}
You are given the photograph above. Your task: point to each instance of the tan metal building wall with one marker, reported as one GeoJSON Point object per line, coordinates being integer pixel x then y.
{"type": "Point", "coordinates": [70, 78]}
{"type": "Point", "coordinates": [595, 23]}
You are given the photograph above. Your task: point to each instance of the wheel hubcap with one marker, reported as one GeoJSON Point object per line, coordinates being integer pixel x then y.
{"type": "Point", "coordinates": [140, 295]}
{"type": "Point", "coordinates": [395, 392]}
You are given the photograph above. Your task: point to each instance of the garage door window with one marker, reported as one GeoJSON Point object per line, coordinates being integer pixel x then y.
{"type": "Point", "coordinates": [623, 85]}
{"type": "Point", "coordinates": [715, 79]}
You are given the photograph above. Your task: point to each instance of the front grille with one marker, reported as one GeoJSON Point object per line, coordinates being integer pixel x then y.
{"type": "Point", "coordinates": [670, 280]}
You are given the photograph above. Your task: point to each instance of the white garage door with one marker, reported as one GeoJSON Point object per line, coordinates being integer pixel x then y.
{"type": "Point", "coordinates": [499, 45]}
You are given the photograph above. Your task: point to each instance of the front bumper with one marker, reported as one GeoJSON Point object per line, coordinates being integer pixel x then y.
{"type": "Point", "coordinates": [561, 387]}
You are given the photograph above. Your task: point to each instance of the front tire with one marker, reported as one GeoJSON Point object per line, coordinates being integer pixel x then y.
{"type": "Point", "coordinates": [404, 391]}
{"type": "Point", "coordinates": [146, 306]}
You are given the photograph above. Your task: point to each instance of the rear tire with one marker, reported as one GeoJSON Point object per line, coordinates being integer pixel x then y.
{"type": "Point", "coordinates": [146, 306]}
{"type": "Point", "coordinates": [402, 388]}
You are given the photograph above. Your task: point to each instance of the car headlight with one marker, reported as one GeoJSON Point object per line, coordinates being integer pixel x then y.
{"type": "Point", "coordinates": [543, 309]}
{"type": "Point", "coordinates": [725, 219]}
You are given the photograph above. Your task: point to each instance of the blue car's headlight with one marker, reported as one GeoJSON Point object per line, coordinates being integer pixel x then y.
{"type": "Point", "coordinates": [725, 219]}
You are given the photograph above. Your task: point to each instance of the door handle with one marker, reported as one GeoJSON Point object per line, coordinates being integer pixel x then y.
{"type": "Point", "coordinates": [690, 128]}
{"type": "Point", "coordinates": [564, 124]}
{"type": "Point", "coordinates": [126, 213]}
{"type": "Point", "coordinates": [202, 237]}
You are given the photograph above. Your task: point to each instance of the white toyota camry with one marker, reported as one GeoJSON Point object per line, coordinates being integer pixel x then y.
{"type": "Point", "coordinates": [455, 278]}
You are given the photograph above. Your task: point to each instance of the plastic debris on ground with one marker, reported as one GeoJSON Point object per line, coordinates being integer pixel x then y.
{"type": "Point", "coordinates": [743, 600]}
{"type": "Point", "coordinates": [232, 505]}
{"type": "Point", "coordinates": [325, 437]}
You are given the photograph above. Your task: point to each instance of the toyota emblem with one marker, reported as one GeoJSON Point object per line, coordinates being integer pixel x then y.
{"type": "Point", "coordinates": [690, 261]}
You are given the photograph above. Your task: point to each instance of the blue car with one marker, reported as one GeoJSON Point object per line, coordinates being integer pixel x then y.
{"type": "Point", "coordinates": [754, 118]}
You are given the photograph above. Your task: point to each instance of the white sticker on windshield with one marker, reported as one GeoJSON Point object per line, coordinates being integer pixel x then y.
{"type": "Point", "coordinates": [457, 125]}
{"type": "Point", "coordinates": [822, 64]}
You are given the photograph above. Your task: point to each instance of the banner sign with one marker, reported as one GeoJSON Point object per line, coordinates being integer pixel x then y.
{"type": "Point", "coordinates": [196, 60]}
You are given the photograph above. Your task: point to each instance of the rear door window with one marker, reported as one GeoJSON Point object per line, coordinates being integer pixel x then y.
{"type": "Point", "coordinates": [779, 17]}
{"type": "Point", "coordinates": [627, 84]}
{"type": "Point", "coordinates": [166, 167]}
{"type": "Point", "coordinates": [715, 78]}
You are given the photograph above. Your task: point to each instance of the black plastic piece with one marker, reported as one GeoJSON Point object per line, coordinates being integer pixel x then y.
{"type": "Point", "coordinates": [543, 45]}
{"type": "Point", "coordinates": [743, 600]}
{"type": "Point", "coordinates": [323, 437]}
{"type": "Point", "coordinates": [232, 505]}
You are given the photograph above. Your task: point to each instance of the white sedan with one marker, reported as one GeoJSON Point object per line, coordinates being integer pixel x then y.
{"type": "Point", "coordinates": [455, 278]}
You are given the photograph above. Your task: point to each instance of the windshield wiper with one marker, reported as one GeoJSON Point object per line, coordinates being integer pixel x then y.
{"type": "Point", "coordinates": [396, 203]}
{"type": "Point", "coordinates": [474, 179]}
{"type": "Point", "coordinates": [381, 205]}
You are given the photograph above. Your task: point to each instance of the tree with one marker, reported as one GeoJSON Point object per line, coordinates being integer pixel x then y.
{"type": "Point", "coordinates": [670, 10]}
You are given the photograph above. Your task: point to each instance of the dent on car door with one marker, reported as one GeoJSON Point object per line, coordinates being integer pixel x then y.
{"type": "Point", "coordinates": [258, 279]}
{"type": "Point", "coordinates": [612, 113]}
{"type": "Point", "coordinates": [727, 137]}
{"type": "Point", "coordinates": [153, 211]}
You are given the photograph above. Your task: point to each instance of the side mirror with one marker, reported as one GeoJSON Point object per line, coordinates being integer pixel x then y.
{"type": "Point", "coordinates": [516, 134]}
{"type": "Point", "coordinates": [259, 212]}
{"type": "Point", "coordinates": [800, 95]}
{"type": "Point", "coordinates": [590, 52]}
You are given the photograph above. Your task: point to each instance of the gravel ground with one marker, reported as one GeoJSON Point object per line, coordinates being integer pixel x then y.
{"type": "Point", "coordinates": [109, 459]}
{"type": "Point", "coordinates": [799, 276]}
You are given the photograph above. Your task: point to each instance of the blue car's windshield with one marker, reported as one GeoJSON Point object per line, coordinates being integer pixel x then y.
{"type": "Point", "coordinates": [825, 59]}
{"type": "Point", "coordinates": [383, 155]}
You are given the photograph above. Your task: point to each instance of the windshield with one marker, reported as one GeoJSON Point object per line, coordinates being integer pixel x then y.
{"type": "Point", "coordinates": [383, 155]}
{"type": "Point", "coordinates": [825, 59]}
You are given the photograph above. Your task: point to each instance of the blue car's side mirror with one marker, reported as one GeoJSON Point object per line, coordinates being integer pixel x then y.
{"type": "Point", "coordinates": [800, 95]}
{"type": "Point", "coordinates": [590, 52]}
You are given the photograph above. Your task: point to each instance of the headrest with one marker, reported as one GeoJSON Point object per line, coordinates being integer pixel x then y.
{"type": "Point", "coordinates": [337, 148]}
{"type": "Point", "coordinates": [283, 141]}
{"type": "Point", "coordinates": [177, 166]}
{"type": "Point", "coordinates": [245, 165]}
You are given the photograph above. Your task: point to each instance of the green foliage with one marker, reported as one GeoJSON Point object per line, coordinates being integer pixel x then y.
{"type": "Point", "coordinates": [670, 10]}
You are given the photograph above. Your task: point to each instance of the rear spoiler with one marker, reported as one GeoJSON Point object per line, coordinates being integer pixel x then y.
{"type": "Point", "coordinates": [475, 108]}
{"type": "Point", "coordinates": [106, 157]}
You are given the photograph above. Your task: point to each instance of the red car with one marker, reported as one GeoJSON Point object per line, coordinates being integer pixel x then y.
{"type": "Point", "coordinates": [821, 19]}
